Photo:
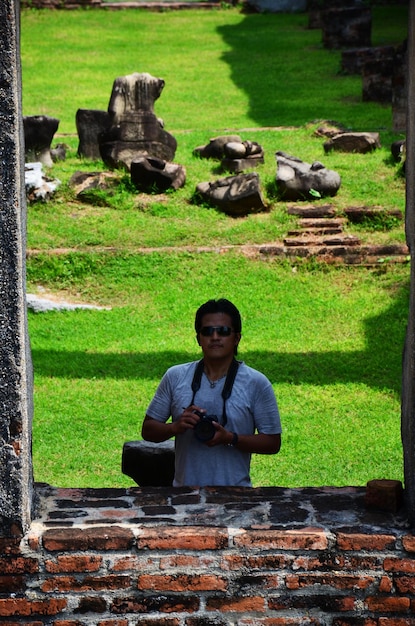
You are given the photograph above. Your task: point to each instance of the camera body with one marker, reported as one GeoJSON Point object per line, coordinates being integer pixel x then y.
{"type": "Point", "coordinates": [204, 430]}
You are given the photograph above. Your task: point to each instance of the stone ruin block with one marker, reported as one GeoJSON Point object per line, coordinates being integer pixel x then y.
{"type": "Point", "coordinates": [400, 90]}
{"type": "Point", "coordinates": [39, 131]}
{"type": "Point", "coordinates": [149, 464]}
{"type": "Point", "coordinates": [134, 128]}
{"type": "Point", "coordinates": [90, 124]}
{"type": "Point", "coordinates": [353, 60]}
{"type": "Point", "coordinates": [347, 27]}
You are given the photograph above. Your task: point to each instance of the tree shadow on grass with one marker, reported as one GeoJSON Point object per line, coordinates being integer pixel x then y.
{"type": "Point", "coordinates": [378, 365]}
{"type": "Point", "coordinates": [268, 62]}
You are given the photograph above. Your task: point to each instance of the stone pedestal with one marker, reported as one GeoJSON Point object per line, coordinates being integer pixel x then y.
{"type": "Point", "coordinates": [90, 124]}
{"type": "Point", "coordinates": [149, 464]}
{"type": "Point", "coordinates": [38, 135]}
{"type": "Point", "coordinates": [134, 128]}
{"type": "Point", "coordinates": [347, 27]}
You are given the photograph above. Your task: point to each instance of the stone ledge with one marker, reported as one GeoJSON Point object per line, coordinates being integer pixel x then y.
{"type": "Point", "coordinates": [329, 509]}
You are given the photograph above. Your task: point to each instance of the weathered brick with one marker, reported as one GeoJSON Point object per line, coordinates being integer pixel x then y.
{"type": "Point", "coordinates": [395, 564]}
{"type": "Point", "coordinates": [101, 538]}
{"type": "Point", "coordinates": [354, 621]}
{"type": "Point", "coordinates": [182, 582]}
{"type": "Point", "coordinates": [129, 562]}
{"type": "Point", "coordinates": [338, 581]}
{"type": "Point", "coordinates": [281, 621]}
{"type": "Point", "coordinates": [159, 621]}
{"type": "Point", "coordinates": [95, 604]}
{"type": "Point", "coordinates": [253, 562]}
{"type": "Point", "coordinates": [396, 621]}
{"type": "Point", "coordinates": [74, 563]}
{"type": "Point", "coordinates": [387, 604]}
{"type": "Point", "coordinates": [360, 541]}
{"type": "Point", "coordinates": [324, 602]}
{"type": "Point", "coordinates": [89, 583]}
{"type": "Point", "coordinates": [18, 565]}
{"type": "Point", "coordinates": [19, 623]}
{"type": "Point", "coordinates": [301, 539]}
{"type": "Point", "coordinates": [112, 622]}
{"type": "Point", "coordinates": [385, 584]}
{"type": "Point", "coordinates": [189, 561]}
{"type": "Point", "coordinates": [240, 605]}
{"type": "Point", "coordinates": [179, 538]}
{"type": "Point", "coordinates": [11, 584]}
{"type": "Point", "coordinates": [408, 542]}
{"type": "Point", "coordinates": [405, 584]}
{"type": "Point", "coordinates": [24, 607]}
{"type": "Point", "coordinates": [10, 545]}
{"type": "Point", "coordinates": [157, 603]}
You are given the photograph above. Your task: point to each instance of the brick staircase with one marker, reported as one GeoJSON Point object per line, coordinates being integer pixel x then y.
{"type": "Point", "coordinates": [320, 234]}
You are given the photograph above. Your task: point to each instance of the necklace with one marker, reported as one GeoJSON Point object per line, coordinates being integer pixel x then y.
{"type": "Point", "coordinates": [213, 383]}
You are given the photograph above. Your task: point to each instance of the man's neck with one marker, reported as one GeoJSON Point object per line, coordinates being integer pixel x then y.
{"type": "Point", "coordinates": [216, 368]}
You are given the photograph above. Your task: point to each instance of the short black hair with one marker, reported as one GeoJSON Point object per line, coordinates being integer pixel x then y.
{"type": "Point", "coordinates": [219, 306]}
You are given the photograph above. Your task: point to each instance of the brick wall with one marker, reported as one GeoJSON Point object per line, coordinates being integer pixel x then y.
{"type": "Point", "coordinates": [177, 557]}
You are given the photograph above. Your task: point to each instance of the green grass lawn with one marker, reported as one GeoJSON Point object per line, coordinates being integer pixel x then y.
{"type": "Point", "coordinates": [330, 340]}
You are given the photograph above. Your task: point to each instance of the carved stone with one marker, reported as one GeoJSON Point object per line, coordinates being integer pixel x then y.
{"type": "Point", "coordinates": [134, 128]}
{"type": "Point", "coordinates": [149, 464]}
{"type": "Point", "coordinates": [38, 135]}
{"type": "Point", "coordinates": [297, 180]}
{"type": "Point", "coordinates": [353, 142]}
{"type": "Point", "coordinates": [150, 174]}
{"type": "Point", "coordinates": [347, 27]}
{"type": "Point", "coordinates": [90, 123]}
{"type": "Point", "coordinates": [215, 148]}
{"type": "Point", "coordinates": [240, 156]}
{"type": "Point", "coordinates": [235, 195]}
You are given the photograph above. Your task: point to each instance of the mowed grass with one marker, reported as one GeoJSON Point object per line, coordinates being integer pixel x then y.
{"type": "Point", "coordinates": [329, 339]}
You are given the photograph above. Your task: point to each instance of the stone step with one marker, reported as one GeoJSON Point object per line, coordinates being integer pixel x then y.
{"type": "Point", "coordinates": [312, 211]}
{"type": "Point", "coordinates": [321, 222]}
{"type": "Point", "coordinates": [367, 255]}
{"type": "Point", "coordinates": [315, 230]}
{"type": "Point", "coordinates": [330, 240]}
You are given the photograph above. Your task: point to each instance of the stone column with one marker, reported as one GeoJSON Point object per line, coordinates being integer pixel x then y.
{"type": "Point", "coordinates": [16, 480]}
{"type": "Point", "coordinates": [408, 377]}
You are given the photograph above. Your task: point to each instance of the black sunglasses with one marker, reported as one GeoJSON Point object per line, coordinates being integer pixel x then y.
{"type": "Point", "coordinates": [222, 331]}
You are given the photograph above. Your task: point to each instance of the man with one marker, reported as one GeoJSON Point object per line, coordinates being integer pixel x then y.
{"type": "Point", "coordinates": [215, 450]}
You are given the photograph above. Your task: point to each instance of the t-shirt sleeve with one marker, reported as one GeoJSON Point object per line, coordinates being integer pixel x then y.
{"type": "Point", "coordinates": [266, 412]}
{"type": "Point", "coordinates": [160, 406]}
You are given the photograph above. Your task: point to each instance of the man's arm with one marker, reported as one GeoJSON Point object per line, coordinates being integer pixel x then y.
{"type": "Point", "coordinates": [156, 431]}
{"type": "Point", "coordinates": [258, 443]}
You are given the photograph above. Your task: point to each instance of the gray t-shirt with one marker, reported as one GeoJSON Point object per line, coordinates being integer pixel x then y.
{"type": "Point", "coordinates": [251, 407]}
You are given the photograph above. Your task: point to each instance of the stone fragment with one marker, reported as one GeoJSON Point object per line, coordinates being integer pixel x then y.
{"type": "Point", "coordinates": [277, 6]}
{"type": "Point", "coordinates": [90, 123]}
{"type": "Point", "coordinates": [85, 184]}
{"type": "Point", "coordinates": [215, 148]}
{"type": "Point", "coordinates": [58, 153]}
{"type": "Point", "coordinates": [149, 464]}
{"type": "Point", "coordinates": [344, 27]}
{"type": "Point", "coordinates": [38, 135]}
{"type": "Point", "coordinates": [386, 495]}
{"type": "Point", "coordinates": [235, 195]}
{"type": "Point", "coordinates": [353, 142]}
{"type": "Point", "coordinates": [298, 180]}
{"type": "Point", "coordinates": [134, 128]}
{"type": "Point", "coordinates": [150, 174]}
{"type": "Point", "coordinates": [240, 156]}
{"type": "Point", "coordinates": [39, 187]}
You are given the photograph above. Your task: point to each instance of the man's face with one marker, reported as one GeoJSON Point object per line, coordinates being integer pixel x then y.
{"type": "Point", "coordinates": [217, 344]}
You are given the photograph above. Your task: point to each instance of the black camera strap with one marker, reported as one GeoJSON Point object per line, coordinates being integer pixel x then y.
{"type": "Point", "coordinates": [227, 387]}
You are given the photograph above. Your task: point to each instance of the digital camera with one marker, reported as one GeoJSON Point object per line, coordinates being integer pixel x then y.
{"type": "Point", "coordinates": [204, 429]}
